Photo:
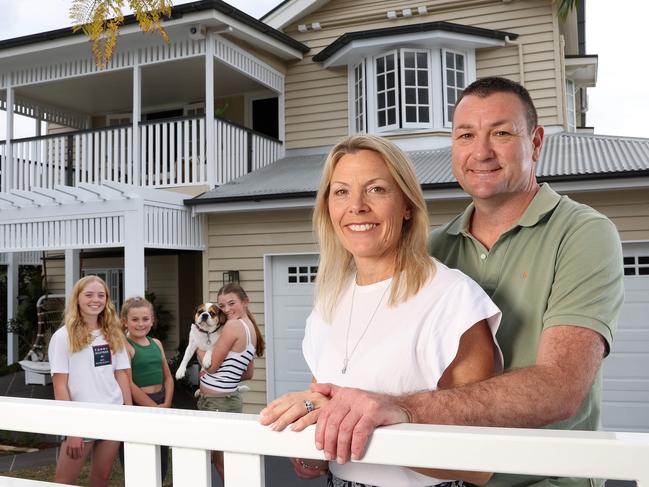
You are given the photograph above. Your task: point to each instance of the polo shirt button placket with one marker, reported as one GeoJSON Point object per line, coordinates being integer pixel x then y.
{"type": "Point", "coordinates": [483, 257]}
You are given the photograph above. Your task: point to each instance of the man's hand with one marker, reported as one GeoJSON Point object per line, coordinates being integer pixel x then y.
{"type": "Point", "coordinates": [349, 418]}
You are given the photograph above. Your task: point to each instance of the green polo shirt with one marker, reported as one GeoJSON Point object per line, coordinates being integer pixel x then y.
{"type": "Point", "coordinates": [560, 264]}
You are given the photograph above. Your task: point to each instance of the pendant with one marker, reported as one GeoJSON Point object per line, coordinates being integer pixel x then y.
{"type": "Point", "coordinates": [346, 361]}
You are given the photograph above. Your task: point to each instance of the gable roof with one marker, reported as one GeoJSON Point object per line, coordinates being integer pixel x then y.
{"type": "Point", "coordinates": [177, 12]}
{"type": "Point", "coordinates": [349, 37]}
{"type": "Point", "coordinates": [289, 11]}
{"type": "Point", "coordinates": [565, 157]}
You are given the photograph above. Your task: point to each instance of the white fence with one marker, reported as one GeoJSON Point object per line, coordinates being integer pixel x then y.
{"type": "Point", "coordinates": [192, 434]}
{"type": "Point", "coordinates": [171, 152]}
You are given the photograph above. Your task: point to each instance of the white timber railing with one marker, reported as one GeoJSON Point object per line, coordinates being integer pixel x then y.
{"type": "Point", "coordinates": [172, 152]}
{"type": "Point", "coordinates": [193, 434]}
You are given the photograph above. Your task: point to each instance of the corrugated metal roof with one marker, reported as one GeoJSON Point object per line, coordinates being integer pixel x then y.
{"type": "Point", "coordinates": [564, 155]}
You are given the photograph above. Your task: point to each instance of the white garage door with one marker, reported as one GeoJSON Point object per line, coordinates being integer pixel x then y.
{"type": "Point", "coordinates": [290, 285]}
{"type": "Point", "coordinates": [625, 404]}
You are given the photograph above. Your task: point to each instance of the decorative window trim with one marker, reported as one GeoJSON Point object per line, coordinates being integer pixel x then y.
{"type": "Point", "coordinates": [571, 105]}
{"type": "Point", "coordinates": [448, 120]}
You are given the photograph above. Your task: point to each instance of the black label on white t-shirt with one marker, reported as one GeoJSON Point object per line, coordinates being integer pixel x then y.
{"type": "Point", "coordinates": [102, 355]}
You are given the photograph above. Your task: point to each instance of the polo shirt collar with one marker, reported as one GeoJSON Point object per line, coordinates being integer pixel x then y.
{"type": "Point", "coordinates": [545, 200]}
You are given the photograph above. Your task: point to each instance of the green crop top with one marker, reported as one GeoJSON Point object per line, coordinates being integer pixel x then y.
{"type": "Point", "coordinates": [146, 364]}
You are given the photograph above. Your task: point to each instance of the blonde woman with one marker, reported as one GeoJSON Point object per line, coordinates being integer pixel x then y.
{"type": "Point", "coordinates": [89, 363]}
{"type": "Point", "coordinates": [387, 318]}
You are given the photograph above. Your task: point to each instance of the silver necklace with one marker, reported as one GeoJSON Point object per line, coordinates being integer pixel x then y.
{"type": "Point", "coordinates": [348, 355]}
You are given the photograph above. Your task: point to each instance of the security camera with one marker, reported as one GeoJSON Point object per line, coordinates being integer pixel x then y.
{"type": "Point", "coordinates": [197, 32]}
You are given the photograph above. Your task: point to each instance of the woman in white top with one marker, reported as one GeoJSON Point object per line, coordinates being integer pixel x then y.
{"type": "Point", "coordinates": [387, 318]}
{"type": "Point", "coordinates": [232, 358]}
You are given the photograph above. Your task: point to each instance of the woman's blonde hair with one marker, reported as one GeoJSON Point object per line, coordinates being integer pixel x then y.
{"type": "Point", "coordinates": [79, 335]}
{"type": "Point", "coordinates": [235, 288]}
{"type": "Point", "coordinates": [413, 266]}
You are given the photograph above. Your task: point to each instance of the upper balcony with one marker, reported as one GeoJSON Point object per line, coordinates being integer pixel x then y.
{"type": "Point", "coordinates": [172, 152]}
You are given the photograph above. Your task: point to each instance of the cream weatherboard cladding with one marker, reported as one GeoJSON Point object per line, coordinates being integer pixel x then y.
{"type": "Point", "coordinates": [239, 242]}
{"type": "Point", "coordinates": [316, 98]}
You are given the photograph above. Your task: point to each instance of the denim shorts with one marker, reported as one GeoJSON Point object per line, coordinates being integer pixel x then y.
{"type": "Point", "coordinates": [231, 403]}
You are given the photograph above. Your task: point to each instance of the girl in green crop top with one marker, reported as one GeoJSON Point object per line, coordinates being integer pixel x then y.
{"type": "Point", "coordinates": [151, 380]}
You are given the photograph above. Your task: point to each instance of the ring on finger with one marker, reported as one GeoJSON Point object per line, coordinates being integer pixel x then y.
{"type": "Point", "coordinates": [308, 405]}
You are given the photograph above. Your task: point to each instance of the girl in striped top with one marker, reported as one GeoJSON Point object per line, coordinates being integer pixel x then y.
{"type": "Point", "coordinates": [232, 358]}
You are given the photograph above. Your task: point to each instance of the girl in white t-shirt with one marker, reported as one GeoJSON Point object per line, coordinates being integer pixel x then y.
{"type": "Point", "coordinates": [89, 363]}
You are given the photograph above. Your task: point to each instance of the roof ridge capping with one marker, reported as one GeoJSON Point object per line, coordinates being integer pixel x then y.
{"type": "Point", "coordinates": [349, 37]}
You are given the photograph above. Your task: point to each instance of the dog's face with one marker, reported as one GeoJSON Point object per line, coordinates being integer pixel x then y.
{"type": "Point", "coordinates": [209, 317]}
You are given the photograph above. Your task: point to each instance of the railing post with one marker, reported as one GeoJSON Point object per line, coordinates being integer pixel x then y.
{"type": "Point", "coordinates": [210, 133]}
{"type": "Point", "coordinates": [142, 465]}
{"type": "Point", "coordinates": [9, 173]}
{"type": "Point", "coordinates": [191, 468]}
{"type": "Point", "coordinates": [243, 469]}
{"type": "Point", "coordinates": [249, 153]}
{"type": "Point", "coordinates": [68, 162]}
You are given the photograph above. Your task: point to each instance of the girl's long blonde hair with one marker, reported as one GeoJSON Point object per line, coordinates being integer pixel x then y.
{"type": "Point", "coordinates": [79, 335]}
{"type": "Point", "coordinates": [413, 266]}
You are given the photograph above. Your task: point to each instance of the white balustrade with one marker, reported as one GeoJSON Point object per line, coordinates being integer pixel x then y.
{"type": "Point", "coordinates": [172, 153]}
{"type": "Point", "coordinates": [192, 434]}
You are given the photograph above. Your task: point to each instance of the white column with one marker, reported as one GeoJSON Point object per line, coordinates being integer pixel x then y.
{"type": "Point", "coordinates": [209, 110]}
{"type": "Point", "coordinates": [134, 284]}
{"type": "Point", "coordinates": [72, 270]}
{"type": "Point", "coordinates": [9, 173]}
{"type": "Point", "coordinates": [12, 304]}
{"type": "Point", "coordinates": [136, 116]}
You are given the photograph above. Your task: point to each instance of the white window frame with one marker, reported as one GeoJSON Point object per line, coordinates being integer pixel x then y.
{"type": "Point", "coordinates": [354, 114]}
{"type": "Point", "coordinates": [571, 106]}
{"type": "Point", "coordinates": [437, 94]}
{"type": "Point", "coordinates": [402, 85]}
{"type": "Point", "coordinates": [373, 93]}
{"type": "Point", "coordinates": [448, 121]}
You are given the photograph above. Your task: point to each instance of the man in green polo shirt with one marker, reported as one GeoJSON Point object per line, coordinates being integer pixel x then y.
{"type": "Point", "coordinates": [553, 267]}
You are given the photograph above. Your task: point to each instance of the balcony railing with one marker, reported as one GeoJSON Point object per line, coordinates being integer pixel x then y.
{"type": "Point", "coordinates": [192, 434]}
{"type": "Point", "coordinates": [171, 152]}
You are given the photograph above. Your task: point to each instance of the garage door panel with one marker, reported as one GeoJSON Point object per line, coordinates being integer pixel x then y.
{"type": "Point", "coordinates": [292, 301]}
{"type": "Point", "coordinates": [625, 395]}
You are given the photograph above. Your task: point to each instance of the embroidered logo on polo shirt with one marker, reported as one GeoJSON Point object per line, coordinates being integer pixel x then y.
{"type": "Point", "coordinates": [102, 355]}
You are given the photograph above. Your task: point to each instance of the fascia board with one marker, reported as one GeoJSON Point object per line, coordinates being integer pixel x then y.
{"type": "Point", "coordinates": [292, 11]}
{"type": "Point", "coordinates": [257, 38]}
{"type": "Point", "coordinates": [360, 48]}
{"type": "Point", "coordinates": [246, 206]}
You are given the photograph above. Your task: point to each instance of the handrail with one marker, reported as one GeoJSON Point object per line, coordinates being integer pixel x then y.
{"type": "Point", "coordinates": [192, 434]}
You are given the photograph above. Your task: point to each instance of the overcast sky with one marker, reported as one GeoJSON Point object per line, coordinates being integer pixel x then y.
{"type": "Point", "coordinates": [619, 105]}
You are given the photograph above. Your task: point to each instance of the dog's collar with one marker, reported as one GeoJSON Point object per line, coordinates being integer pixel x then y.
{"type": "Point", "coordinates": [208, 333]}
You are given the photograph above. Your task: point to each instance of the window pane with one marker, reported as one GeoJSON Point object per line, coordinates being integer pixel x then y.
{"type": "Point", "coordinates": [389, 62]}
{"type": "Point", "coordinates": [391, 98]}
{"type": "Point", "coordinates": [392, 116]}
{"type": "Point", "coordinates": [381, 115]}
{"type": "Point", "coordinates": [381, 83]}
{"type": "Point", "coordinates": [423, 96]}
{"type": "Point", "coordinates": [629, 260]}
{"type": "Point", "coordinates": [450, 77]}
{"type": "Point", "coordinates": [409, 59]}
{"type": "Point", "coordinates": [459, 62]}
{"type": "Point", "coordinates": [421, 60]}
{"type": "Point", "coordinates": [380, 99]}
{"type": "Point", "coordinates": [411, 114]}
{"type": "Point", "coordinates": [380, 65]}
{"type": "Point", "coordinates": [411, 97]}
{"type": "Point", "coordinates": [390, 80]}
{"type": "Point", "coordinates": [449, 112]}
{"type": "Point", "coordinates": [643, 259]}
{"type": "Point", "coordinates": [423, 114]}
{"type": "Point", "coordinates": [450, 95]}
{"type": "Point", "coordinates": [629, 271]}
{"type": "Point", "coordinates": [450, 60]}
{"type": "Point", "coordinates": [460, 79]}
{"type": "Point", "coordinates": [410, 77]}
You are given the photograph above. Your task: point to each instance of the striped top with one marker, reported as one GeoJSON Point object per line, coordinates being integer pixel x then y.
{"type": "Point", "coordinates": [228, 377]}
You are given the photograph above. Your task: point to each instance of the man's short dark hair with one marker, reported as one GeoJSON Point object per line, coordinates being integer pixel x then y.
{"type": "Point", "coordinates": [485, 87]}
